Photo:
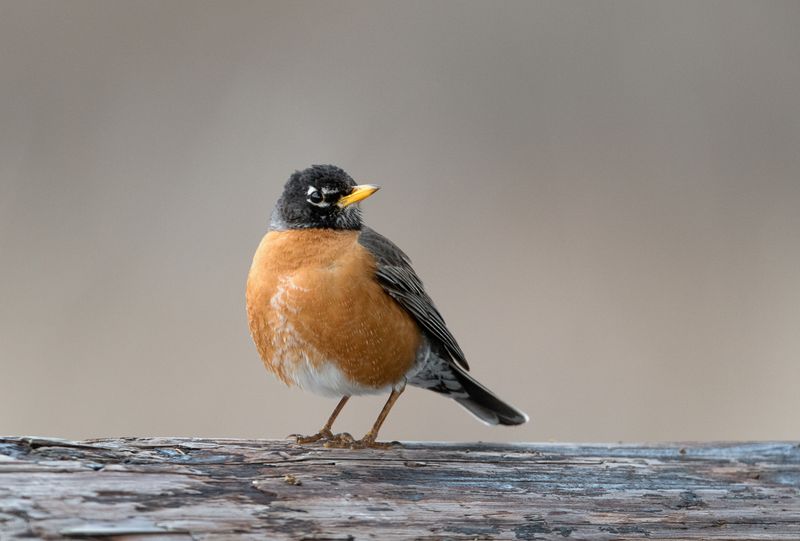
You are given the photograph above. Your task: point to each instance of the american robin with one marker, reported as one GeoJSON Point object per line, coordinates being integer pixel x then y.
{"type": "Point", "coordinates": [336, 308]}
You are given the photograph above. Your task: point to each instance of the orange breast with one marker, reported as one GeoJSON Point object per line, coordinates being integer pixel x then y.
{"type": "Point", "coordinates": [313, 301]}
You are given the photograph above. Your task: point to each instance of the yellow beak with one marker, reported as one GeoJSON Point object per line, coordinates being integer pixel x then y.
{"type": "Point", "coordinates": [360, 192]}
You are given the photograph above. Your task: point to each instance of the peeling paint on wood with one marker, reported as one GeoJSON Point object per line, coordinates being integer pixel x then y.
{"type": "Point", "coordinates": [172, 489]}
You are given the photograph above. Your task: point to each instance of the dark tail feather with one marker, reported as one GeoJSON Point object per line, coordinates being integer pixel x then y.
{"type": "Point", "coordinates": [485, 405]}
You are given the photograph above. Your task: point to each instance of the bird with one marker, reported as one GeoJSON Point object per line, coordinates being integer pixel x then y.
{"type": "Point", "coordinates": [336, 308]}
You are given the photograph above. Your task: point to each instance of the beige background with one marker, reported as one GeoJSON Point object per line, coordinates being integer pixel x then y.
{"type": "Point", "coordinates": [602, 197]}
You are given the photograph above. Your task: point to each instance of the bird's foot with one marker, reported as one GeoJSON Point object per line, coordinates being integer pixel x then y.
{"type": "Point", "coordinates": [324, 435]}
{"type": "Point", "coordinates": [340, 441]}
{"type": "Point", "coordinates": [368, 442]}
{"type": "Point", "coordinates": [344, 441]}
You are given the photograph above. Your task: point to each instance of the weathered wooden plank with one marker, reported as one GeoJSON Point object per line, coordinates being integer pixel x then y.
{"type": "Point", "coordinates": [163, 488]}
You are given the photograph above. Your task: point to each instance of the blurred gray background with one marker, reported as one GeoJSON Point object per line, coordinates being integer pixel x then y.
{"type": "Point", "coordinates": [602, 197]}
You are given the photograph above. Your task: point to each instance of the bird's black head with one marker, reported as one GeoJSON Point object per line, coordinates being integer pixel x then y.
{"type": "Point", "coordinates": [322, 196]}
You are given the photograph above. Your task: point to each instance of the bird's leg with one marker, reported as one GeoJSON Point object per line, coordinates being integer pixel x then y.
{"type": "Point", "coordinates": [325, 433]}
{"type": "Point", "coordinates": [369, 438]}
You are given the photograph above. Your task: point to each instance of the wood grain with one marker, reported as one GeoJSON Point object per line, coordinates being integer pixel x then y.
{"type": "Point", "coordinates": [165, 488]}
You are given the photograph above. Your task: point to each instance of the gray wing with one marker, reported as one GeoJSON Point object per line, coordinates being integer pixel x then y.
{"type": "Point", "coordinates": [395, 274]}
{"type": "Point", "coordinates": [445, 370]}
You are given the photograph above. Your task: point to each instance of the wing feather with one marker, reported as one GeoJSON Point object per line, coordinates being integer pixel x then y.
{"type": "Point", "coordinates": [398, 279]}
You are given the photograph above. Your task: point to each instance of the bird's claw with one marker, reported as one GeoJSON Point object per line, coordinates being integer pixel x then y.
{"type": "Point", "coordinates": [370, 443]}
{"type": "Point", "coordinates": [328, 439]}
{"type": "Point", "coordinates": [340, 441]}
{"type": "Point", "coordinates": [343, 441]}
{"type": "Point", "coordinates": [324, 435]}
{"type": "Point", "coordinates": [346, 441]}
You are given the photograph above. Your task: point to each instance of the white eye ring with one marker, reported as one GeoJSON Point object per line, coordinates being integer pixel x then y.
{"type": "Point", "coordinates": [315, 198]}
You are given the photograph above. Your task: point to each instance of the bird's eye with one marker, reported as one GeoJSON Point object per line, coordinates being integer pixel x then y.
{"type": "Point", "coordinates": [315, 197]}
